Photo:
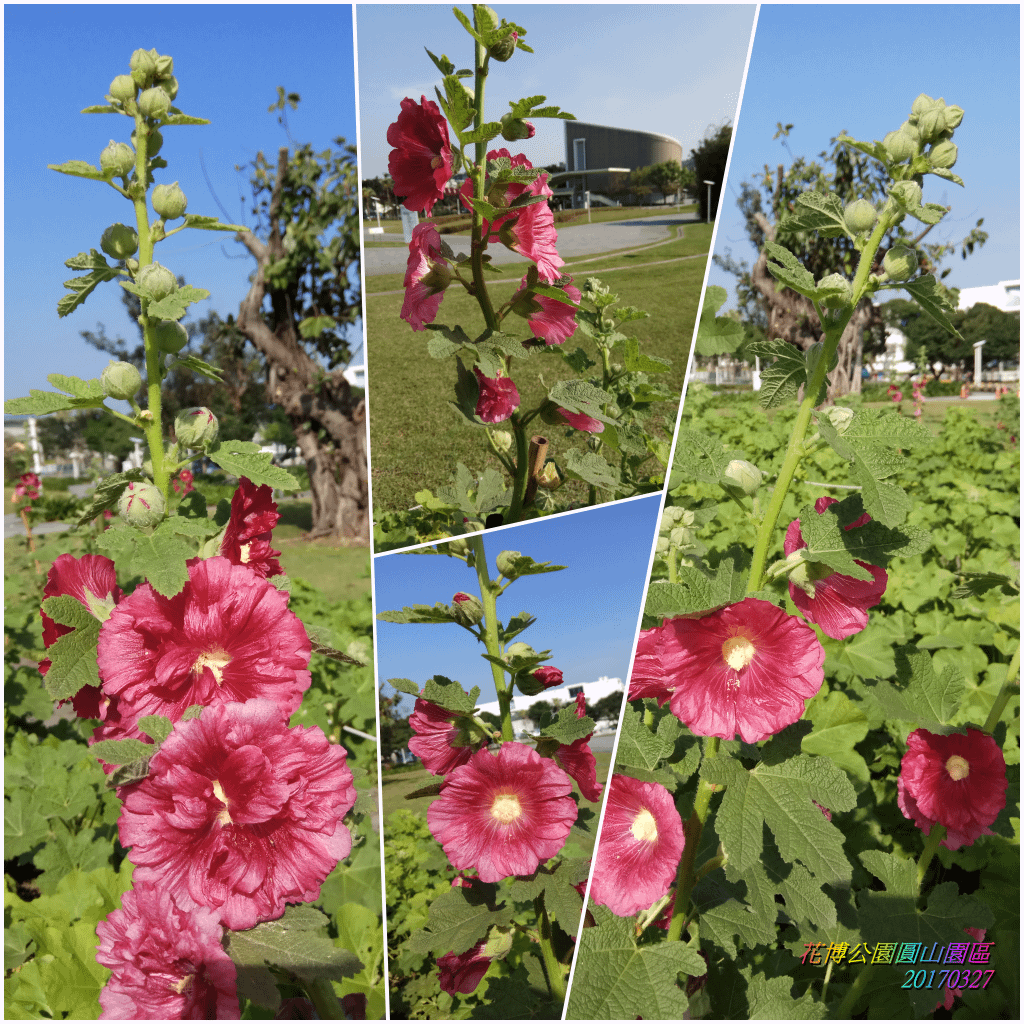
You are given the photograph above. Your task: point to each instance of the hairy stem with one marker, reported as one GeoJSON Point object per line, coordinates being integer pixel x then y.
{"type": "Point", "coordinates": [931, 846]}
{"type": "Point", "coordinates": [489, 599]}
{"type": "Point", "coordinates": [479, 177]}
{"type": "Point", "coordinates": [553, 969]}
{"type": "Point", "coordinates": [522, 473]}
{"type": "Point", "coordinates": [1006, 692]}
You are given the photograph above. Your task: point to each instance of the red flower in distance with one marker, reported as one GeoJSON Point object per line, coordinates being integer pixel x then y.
{"type": "Point", "coordinates": [547, 676]}
{"type": "Point", "coordinates": [840, 603]}
{"type": "Point", "coordinates": [498, 398]}
{"type": "Point", "coordinates": [421, 162]}
{"type": "Point", "coordinates": [426, 277]}
{"type": "Point", "coordinates": [958, 781]}
{"type": "Point", "coordinates": [578, 760]}
{"type": "Point", "coordinates": [581, 421]}
{"type": "Point", "coordinates": [503, 813]}
{"type": "Point", "coordinates": [28, 486]}
{"type": "Point", "coordinates": [746, 668]}
{"type": "Point", "coordinates": [167, 963]}
{"type": "Point", "coordinates": [463, 972]}
{"type": "Point", "coordinates": [639, 849]}
{"type": "Point", "coordinates": [228, 636]}
{"type": "Point", "coordinates": [442, 741]}
{"type": "Point", "coordinates": [247, 536]}
{"type": "Point", "coordinates": [240, 813]}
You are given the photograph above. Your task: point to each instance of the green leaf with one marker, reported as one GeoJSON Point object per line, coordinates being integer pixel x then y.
{"type": "Point", "coordinates": [420, 613]}
{"type": "Point", "coordinates": [161, 558]}
{"type": "Point", "coordinates": [73, 662]}
{"type": "Point", "coordinates": [41, 403]}
{"type": "Point", "coordinates": [449, 694]}
{"type": "Point", "coordinates": [458, 919]}
{"type": "Point", "coordinates": [918, 693]}
{"type": "Point", "coordinates": [460, 106]}
{"type": "Point", "coordinates": [193, 220]}
{"type": "Point", "coordinates": [80, 169]}
{"type": "Point", "coordinates": [839, 725]}
{"type": "Point", "coordinates": [174, 306]}
{"type": "Point", "coordinates": [69, 972]}
{"type": "Point", "coordinates": [101, 108]}
{"type": "Point", "coordinates": [927, 295]}
{"type": "Point", "coordinates": [870, 655]}
{"type": "Point", "coordinates": [635, 362]}
{"type": "Point", "coordinates": [782, 379]}
{"type": "Point", "coordinates": [771, 998]}
{"type": "Point", "coordinates": [580, 396]}
{"type": "Point", "coordinates": [444, 65]}
{"type": "Point", "coordinates": [107, 491]}
{"type": "Point", "coordinates": [486, 132]}
{"type": "Point", "coordinates": [68, 611]}
{"type": "Point", "coordinates": [122, 751]}
{"type": "Point", "coordinates": [566, 728]}
{"type": "Point", "coordinates": [84, 286]}
{"type": "Point", "coordinates": [516, 564]}
{"type": "Point", "coordinates": [640, 751]}
{"type": "Point", "coordinates": [558, 887]}
{"type": "Point", "coordinates": [405, 686]}
{"type": "Point", "coordinates": [701, 457]}
{"type": "Point", "coordinates": [156, 727]}
{"type": "Point", "coordinates": [177, 118]}
{"type": "Point", "coordinates": [817, 211]}
{"type": "Point", "coordinates": [788, 270]}
{"type": "Point", "coordinates": [716, 335]}
{"type": "Point", "coordinates": [592, 469]}
{"type": "Point", "coordinates": [695, 594]}
{"type": "Point", "coordinates": [78, 388]}
{"type": "Point", "coordinates": [244, 458]}
{"type": "Point", "coordinates": [197, 365]}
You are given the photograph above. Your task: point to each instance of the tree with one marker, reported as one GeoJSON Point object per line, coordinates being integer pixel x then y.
{"type": "Point", "coordinates": [665, 177]}
{"type": "Point", "coordinates": [609, 706]}
{"type": "Point", "coordinates": [709, 160]}
{"type": "Point", "coordinates": [303, 301]}
{"type": "Point", "coordinates": [395, 731]}
{"type": "Point", "coordinates": [766, 202]}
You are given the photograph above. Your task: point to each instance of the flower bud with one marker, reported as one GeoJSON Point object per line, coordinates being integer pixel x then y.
{"type": "Point", "coordinates": [170, 336]}
{"type": "Point", "coordinates": [169, 86]}
{"type": "Point", "coordinates": [954, 115]}
{"type": "Point", "coordinates": [154, 140]}
{"type": "Point", "coordinates": [900, 146]}
{"type": "Point", "coordinates": [164, 66]}
{"type": "Point", "coordinates": [548, 477]}
{"type": "Point", "coordinates": [515, 129]}
{"type": "Point", "coordinates": [118, 157]}
{"type": "Point", "coordinates": [505, 562]}
{"type": "Point", "coordinates": [840, 417]}
{"type": "Point", "coordinates": [498, 944]}
{"type": "Point", "coordinates": [169, 201]}
{"type": "Point", "coordinates": [943, 155]}
{"type": "Point", "coordinates": [123, 88]}
{"type": "Point", "coordinates": [195, 427]}
{"type": "Point", "coordinates": [467, 609]}
{"type": "Point", "coordinates": [834, 291]}
{"type": "Point", "coordinates": [742, 475]}
{"type": "Point", "coordinates": [154, 102]}
{"type": "Point", "coordinates": [120, 241]}
{"type": "Point", "coordinates": [120, 380]}
{"type": "Point", "coordinates": [156, 282]}
{"type": "Point", "coordinates": [900, 262]}
{"type": "Point", "coordinates": [502, 440]}
{"type": "Point", "coordinates": [860, 216]}
{"type": "Point", "coordinates": [932, 123]}
{"type": "Point", "coordinates": [907, 194]}
{"type": "Point", "coordinates": [143, 65]}
{"type": "Point", "coordinates": [437, 279]}
{"type": "Point", "coordinates": [141, 504]}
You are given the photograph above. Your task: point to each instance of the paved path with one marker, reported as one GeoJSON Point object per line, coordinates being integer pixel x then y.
{"type": "Point", "coordinates": [579, 240]}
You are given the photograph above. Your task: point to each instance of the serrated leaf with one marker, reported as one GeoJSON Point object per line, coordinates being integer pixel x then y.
{"type": "Point", "coordinates": [41, 403]}
{"type": "Point", "coordinates": [839, 725]}
{"type": "Point", "coordinates": [716, 335]}
{"type": "Point", "coordinates": [84, 286]}
{"type": "Point", "coordinates": [772, 999]}
{"type": "Point", "coordinates": [174, 306]}
{"type": "Point", "coordinates": [161, 559]}
{"type": "Point", "coordinates": [77, 387]}
{"type": "Point", "coordinates": [927, 295]}
{"type": "Point", "coordinates": [244, 458]}
{"type": "Point", "coordinates": [558, 887]}
{"type": "Point", "coordinates": [486, 132]}
{"type": "Point", "coordinates": [68, 611]}
{"type": "Point", "coordinates": [182, 119]}
{"type": "Point", "coordinates": [156, 727]}
{"type": "Point", "coordinates": [73, 662]}
{"type": "Point", "coordinates": [516, 625]}
{"type": "Point", "coordinates": [580, 396]}
{"type": "Point", "coordinates": [193, 220]}
{"type": "Point", "coordinates": [788, 270]}
{"type": "Point", "coordinates": [449, 694]}
{"type": "Point", "coordinates": [783, 378]}
{"type": "Point", "coordinates": [592, 469]}
{"type": "Point", "coordinates": [817, 211]}
{"type": "Point", "coordinates": [420, 613]}
{"type": "Point", "coordinates": [80, 169]}
{"type": "Point", "coordinates": [566, 728]}
{"type": "Point", "coordinates": [460, 106]}
{"type": "Point", "coordinates": [918, 694]}
{"type": "Point", "coordinates": [405, 686]}
{"type": "Point", "coordinates": [122, 751]}
{"type": "Point", "coordinates": [638, 746]}
{"type": "Point", "coordinates": [700, 457]}
{"type": "Point", "coordinates": [635, 362]}
{"type": "Point", "coordinates": [197, 365]}
{"type": "Point", "coordinates": [695, 593]}
{"type": "Point", "coordinates": [458, 919]}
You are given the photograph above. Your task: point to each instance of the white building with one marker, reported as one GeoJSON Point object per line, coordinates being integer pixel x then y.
{"type": "Point", "coordinates": [524, 726]}
{"type": "Point", "coordinates": [1005, 296]}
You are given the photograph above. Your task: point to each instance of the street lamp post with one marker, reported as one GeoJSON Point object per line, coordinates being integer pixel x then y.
{"type": "Point", "coordinates": [709, 184]}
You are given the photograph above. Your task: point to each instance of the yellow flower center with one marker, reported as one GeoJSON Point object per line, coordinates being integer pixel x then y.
{"type": "Point", "coordinates": [958, 768]}
{"type": "Point", "coordinates": [185, 985]}
{"type": "Point", "coordinates": [738, 652]}
{"type": "Point", "coordinates": [644, 827]}
{"type": "Point", "coordinates": [218, 791]}
{"type": "Point", "coordinates": [215, 661]}
{"type": "Point", "coordinates": [506, 808]}
{"type": "Point", "coordinates": [438, 161]}
{"type": "Point", "coordinates": [243, 553]}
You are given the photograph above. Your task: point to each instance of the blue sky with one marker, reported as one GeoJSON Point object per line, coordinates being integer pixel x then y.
{"type": "Point", "coordinates": [229, 60]}
{"type": "Point", "coordinates": [829, 68]}
{"type": "Point", "coordinates": [586, 614]}
{"type": "Point", "coordinates": [673, 69]}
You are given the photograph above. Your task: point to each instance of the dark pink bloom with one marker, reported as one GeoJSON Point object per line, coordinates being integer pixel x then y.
{"type": "Point", "coordinates": [547, 676]}
{"type": "Point", "coordinates": [746, 668]}
{"type": "Point", "coordinates": [958, 781]}
{"type": "Point", "coordinates": [824, 810]}
{"type": "Point", "coordinates": [185, 486]}
{"type": "Point", "coordinates": [839, 604]}
{"type": "Point", "coordinates": [354, 1004]}
{"type": "Point", "coordinates": [240, 813]}
{"type": "Point", "coordinates": [460, 597]}
{"type": "Point", "coordinates": [581, 421]}
{"type": "Point", "coordinates": [463, 972]}
{"type": "Point", "coordinates": [228, 636]}
{"type": "Point", "coordinates": [503, 813]}
{"type": "Point", "coordinates": [247, 537]}
{"type": "Point", "coordinates": [639, 848]}
{"type": "Point", "coordinates": [27, 487]}
{"type": "Point", "coordinates": [555, 322]}
{"type": "Point", "coordinates": [443, 739]}
{"type": "Point", "coordinates": [498, 397]}
{"type": "Point", "coordinates": [167, 963]}
{"type": "Point", "coordinates": [578, 760]}
{"type": "Point", "coordinates": [421, 162]}
{"type": "Point", "coordinates": [427, 275]}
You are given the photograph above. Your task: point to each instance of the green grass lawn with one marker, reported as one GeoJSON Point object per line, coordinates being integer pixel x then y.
{"type": "Point", "coordinates": [417, 440]}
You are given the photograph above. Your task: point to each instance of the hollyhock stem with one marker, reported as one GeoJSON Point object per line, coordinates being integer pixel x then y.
{"type": "Point", "coordinates": [489, 599]}
{"type": "Point", "coordinates": [935, 837]}
{"type": "Point", "coordinates": [1004, 694]}
{"type": "Point", "coordinates": [521, 478]}
{"type": "Point", "coordinates": [29, 540]}
{"type": "Point", "coordinates": [479, 176]}
{"type": "Point", "coordinates": [692, 830]}
{"type": "Point", "coordinates": [553, 969]}
{"type": "Point", "coordinates": [321, 995]}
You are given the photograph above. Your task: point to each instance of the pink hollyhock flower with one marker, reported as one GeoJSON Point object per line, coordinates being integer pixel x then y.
{"type": "Point", "coordinates": [581, 421]}
{"type": "Point", "coordinates": [167, 963]}
{"type": "Point", "coordinates": [247, 536]}
{"type": "Point", "coordinates": [503, 813]}
{"type": "Point", "coordinates": [547, 676]}
{"type": "Point", "coordinates": [443, 738]}
{"type": "Point", "coordinates": [427, 275]}
{"type": "Point", "coordinates": [463, 972]}
{"type": "Point", "coordinates": [948, 994]}
{"type": "Point", "coordinates": [837, 603]}
{"type": "Point", "coordinates": [228, 636]}
{"type": "Point", "coordinates": [958, 781]}
{"type": "Point", "coordinates": [27, 487]}
{"type": "Point", "coordinates": [421, 162]}
{"type": "Point", "coordinates": [746, 668]}
{"type": "Point", "coordinates": [239, 813]}
{"type": "Point", "coordinates": [498, 397]}
{"type": "Point", "coordinates": [577, 759]}
{"type": "Point", "coordinates": [639, 849]}
{"type": "Point", "coordinates": [554, 322]}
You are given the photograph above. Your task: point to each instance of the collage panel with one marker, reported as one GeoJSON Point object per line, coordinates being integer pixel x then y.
{"type": "Point", "coordinates": [502, 659]}
{"type": "Point", "coordinates": [814, 810]}
{"type": "Point", "coordinates": [536, 233]}
{"type": "Point", "coordinates": [191, 798]}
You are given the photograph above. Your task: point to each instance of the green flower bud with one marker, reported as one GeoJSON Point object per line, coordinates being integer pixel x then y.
{"type": "Point", "coordinates": [900, 146]}
{"type": "Point", "coordinates": [169, 201]}
{"type": "Point", "coordinates": [170, 336]}
{"type": "Point", "coordinates": [154, 102]}
{"type": "Point", "coordinates": [120, 241]}
{"type": "Point", "coordinates": [502, 440]}
{"type": "Point", "coordinates": [548, 477]}
{"type": "Point", "coordinates": [860, 216]}
{"type": "Point", "coordinates": [743, 476]}
{"type": "Point", "coordinates": [907, 194]}
{"type": "Point", "coordinates": [515, 129]}
{"type": "Point", "coordinates": [505, 562]}
{"type": "Point", "coordinates": [118, 157]}
{"type": "Point", "coordinates": [142, 505]}
{"type": "Point", "coordinates": [835, 291]}
{"type": "Point", "coordinates": [943, 155]}
{"type": "Point", "coordinates": [954, 115]}
{"type": "Point", "coordinates": [143, 65]}
{"type": "Point", "coordinates": [195, 427]}
{"type": "Point", "coordinates": [467, 609]}
{"type": "Point", "coordinates": [840, 417]}
{"type": "Point", "coordinates": [120, 380]}
{"type": "Point", "coordinates": [503, 49]}
{"type": "Point", "coordinates": [900, 262]}
{"type": "Point", "coordinates": [164, 66]}
{"type": "Point", "coordinates": [459, 547]}
{"type": "Point", "coordinates": [169, 86]}
{"type": "Point", "coordinates": [932, 123]}
{"type": "Point", "coordinates": [921, 104]}
{"type": "Point", "coordinates": [156, 282]}
{"type": "Point", "coordinates": [438, 278]}
{"type": "Point", "coordinates": [123, 88]}
{"type": "Point", "coordinates": [154, 140]}
{"type": "Point", "coordinates": [498, 944]}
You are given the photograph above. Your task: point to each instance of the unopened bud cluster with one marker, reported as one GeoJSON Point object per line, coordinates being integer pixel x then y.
{"type": "Point", "coordinates": [931, 124]}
